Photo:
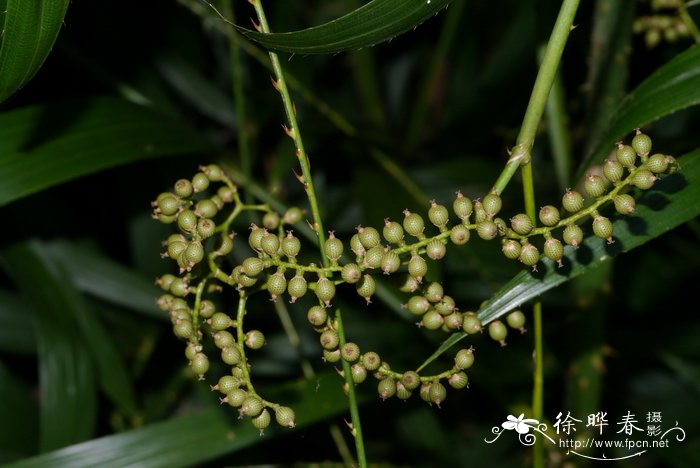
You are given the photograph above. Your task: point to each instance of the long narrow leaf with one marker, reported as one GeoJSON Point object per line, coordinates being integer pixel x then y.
{"type": "Point", "coordinates": [92, 135]}
{"type": "Point", "coordinates": [29, 33]}
{"type": "Point", "coordinates": [67, 392]}
{"type": "Point", "coordinates": [375, 22]}
{"type": "Point", "coordinates": [16, 326]}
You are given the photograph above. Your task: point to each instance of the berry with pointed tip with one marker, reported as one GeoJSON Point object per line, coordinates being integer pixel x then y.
{"type": "Point", "coordinates": [438, 393]}
{"type": "Point", "coordinates": [435, 249]}
{"type": "Point", "coordinates": [657, 163]}
{"type": "Point", "coordinates": [369, 237]}
{"type": "Point", "coordinates": [220, 321]}
{"type": "Point", "coordinates": [641, 143]}
{"type": "Point", "coordinates": [231, 356]}
{"type": "Point", "coordinates": [293, 215]}
{"type": "Point", "coordinates": [418, 305]}
{"type": "Point", "coordinates": [224, 339]}
{"type": "Point", "coordinates": [572, 201]}
{"type": "Point", "coordinates": [392, 232]}
{"type": "Point", "coordinates": [333, 247]}
{"type": "Point", "coordinates": [225, 245]}
{"type": "Point", "coordinates": [206, 228]}
{"type": "Point", "coordinates": [521, 224]}
{"type": "Point", "coordinates": [285, 416]}
{"type": "Point", "coordinates": [291, 245]}
{"type": "Point", "coordinates": [390, 262]}
{"type": "Point", "coordinates": [446, 305]}
{"type": "Point", "coordinates": [256, 235]}
{"type": "Point", "coordinates": [498, 332]}
{"type": "Point", "coordinates": [471, 323]}
{"type": "Point", "coordinates": [358, 373]}
{"type": "Point", "coordinates": [434, 292]}
{"type": "Point", "coordinates": [366, 287]}
{"type": "Point", "coordinates": [271, 220]}
{"type": "Point", "coordinates": [511, 248]}
{"type": "Point", "coordinates": [417, 267]}
{"type": "Point", "coordinates": [516, 319]}
{"type": "Point", "coordinates": [613, 170]}
{"type": "Point", "coordinates": [529, 255]}
{"type": "Point", "coordinates": [183, 329]}
{"type": "Point", "coordinates": [331, 355]}
{"type": "Point", "coordinates": [573, 235]}
{"type": "Point", "coordinates": [168, 204]}
{"type": "Point", "coordinates": [262, 420]}
{"type": "Point", "coordinates": [462, 206]}
{"type": "Point", "coordinates": [464, 358]}
{"type": "Point", "coordinates": [413, 224]}
{"type": "Point", "coordinates": [432, 320]}
{"type": "Point", "coordinates": [626, 155]}
{"type": "Point", "coordinates": [296, 287]}
{"type": "Point", "coordinates": [492, 204]}
{"type": "Point", "coordinates": [270, 244]}
{"type": "Point", "coordinates": [235, 397]}
{"type": "Point", "coordinates": [206, 208]}
{"type": "Point", "coordinates": [624, 203]}
{"type": "Point", "coordinates": [402, 393]}
{"type": "Point", "coordinates": [603, 228]}
{"type": "Point", "coordinates": [453, 321]}
{"type": "Point", "coordinates": [487, 229]}
{"type": "Point", "coordinates": [356, 246]}
{"type": "Point", "coordinates": [325, 290]}
{"type": "Point", "coordinates": [187, 220]}
{"type": "Point", "coordinates": [226, 384]}
{"type": "Point", "coordinates": [643, 179]}
{"type": "Point", "coordinates": [252, 266]}
{"type": "Point", "coordinates": [200, 364]}
{"type": "Point", "coordinates": [458, 380]}
{"type": "Point", "coordinates": [194, 253]}
{"type": "Point", "coordinates": [549, 215]}
{"type": "Point", "coordinates": [594, 185]}
{"type": "Point", "coordinates": [554, 250]}
{"type": "Point", "coordinates": [251, 406]}
{"type": "Point", "coordinates": [373, 257]}
{"type": "Point", "coordinates": [479, 212]}
{"type": "Point", "coordinates": [276, 284]}
{"type": "Point", "coordinates": [438, 214]}
{"type": "Point", "coordinates": [386, 388]}
{"type": "Point", "coordinates": [460, 234]}
{"type": "Point", "coordinates": [183, 188]}
{"type": "Point", "coordinates": [351, 273]}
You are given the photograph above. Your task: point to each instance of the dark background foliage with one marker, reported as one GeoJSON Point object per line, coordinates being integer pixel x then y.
{"type": "Point", "coordinates": [622, 337]}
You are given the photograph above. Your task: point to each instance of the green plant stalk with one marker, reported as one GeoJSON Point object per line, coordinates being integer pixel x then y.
{"type": "Point", "coordinates": [521, 152]}
{"type": "Point", "coordinates": [238, 95]}
{"type": "Point", "coordinates": [538, 383]}
{"type": "Point", "coordinates": [294, 132]}
{"type": "Point", "coordinates": [688, 20]}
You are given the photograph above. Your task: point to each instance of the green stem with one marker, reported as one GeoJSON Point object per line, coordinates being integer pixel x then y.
{"type": "Point", "coordinates": [521, 152]}
{"type": "Point", "coordinates": [688, 20]}
{"type": "Point", "coordinates": [538, 383]}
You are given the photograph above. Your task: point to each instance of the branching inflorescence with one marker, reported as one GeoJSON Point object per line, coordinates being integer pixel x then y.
{"type": "Point", "coordinates": [204, 208]}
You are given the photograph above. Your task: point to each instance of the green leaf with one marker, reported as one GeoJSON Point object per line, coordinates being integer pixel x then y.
{"type": "Point", "coordinates": [672, 87]}
{"type": "Point", "coordinates": [16, 405]}
{"type": "Point", "coordinates": [375, 22]}
{"type": "Point", "coordinates": [194, 438]}
{"type": "Point", "coordinates": [45, 145]}
{"type": "Point", "coordinates": [16, 326]}
{"type": "Point", "coordinates": [29, 33]}
{"type": "Point", "coordinates": [67, 394]}
{"type": "Point", "coordinates": [107, 279]}
{"type": "Point", "coordinates": [672, 202]}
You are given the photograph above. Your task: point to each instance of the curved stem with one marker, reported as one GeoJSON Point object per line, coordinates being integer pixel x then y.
{"type": "Point", "coordinates": [688, 20]}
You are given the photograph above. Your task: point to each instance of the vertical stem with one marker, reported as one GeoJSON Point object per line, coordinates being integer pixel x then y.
{"type": "Point", "coordinates": [520, 154]}
{"type": "Point", "coordinates": [538, 384]}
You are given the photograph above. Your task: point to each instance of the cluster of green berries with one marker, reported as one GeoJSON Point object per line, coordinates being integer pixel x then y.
{"type": "Point", "coordinates": [665, 24]}
{"type": "Point", "coordinates": [270, 262]}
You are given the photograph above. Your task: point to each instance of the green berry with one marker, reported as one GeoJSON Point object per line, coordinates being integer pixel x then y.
{"type": "Point", "coordinates": [333, 247]}
{"type": "Point", "coordinates": [206, 209]}
{"type": "Point", "coordinates": [402, 393]}
{"type": "Point", "coordinates": [270, 244]}
{"type": "Point", "coordinates": [641, 143]}
{"type": "Point", "coordinates": [657, 163]}
{"type": "Point", "coordinates": [549, 215]}
{"type": "Point", "coordinates": [392, 232]}
{"type": "Point", "coordinates": [643, 179]}
{"type": "Point", "coordinates": [179, 287]}
{"type": "Point", "coordinates": [479, 212]}
{"type": "Point", "coordinates": [487, 229]}
{"type": "Point", "coordinates": [410, 380]}
{"type": "Point", "coordinates": [194, 253]}
{"type": "Point", "coordinates": [603, 228]}
{"type": "Point", "coordinates": [317, 316]}
{"type": "Point", "coordinates": [254, 339]}
{"type": "Point", "coordinates": [224, 339]}
{"type": "Point", "coordinates": [213, 172]}
{"type": "Point", "coordinates": [231, 356]}
{"type": "Point", "coordinates": [293, 215]}
{"type": "Point", "coordinates": [285, 416]}
{"type": "Point", "coordinates": [200, 182]}
{"type": "Point", "coordinates": [187, 220]}
{"type": "Point", "coordinates": [168, 204]}
{"type": "Point", "coordinates": [417, 267]}
{"type": "Point", "coordinates": [453, 321]}
{"type": "Point", "coordinates": [498, 332]}
{"type": "Point", "coordinates": [613, 170]}
{"type": "Point", "coordinates": [458, 380]}
{"type": "Point", "coordinates": [624, 204]}
{"type": "Point", "coordinates": [256, 235]}
{"type": "Point", "coordinates": [446, 305]}
{"type": "Point", "coordinates": [413, 224]}
{"type": "Point", "coordinates": [371, 361]}
{"type": "Point", "coordinates": [358, 372]}
{"type": "Point", "coordinates": [521, 224]}
{"type": "Point", "coordinates": [459, 234]}
{"type": "Point", "coordinates": [220, 321]}
{"type": "Point", "coordinates": [594, 185]}
{"type": "Point", "coordinates": [554, 250]}
{"type": "Point", "coordinates": [390, 262]}
{"type": "Point", "coordinates": [369, 237]}
{"type": "Point", "coordinates": [373, 257]}
{"type": "Point", "coordinates": [438, 214]}
{"type": "Point", "coordinates": [183, 329]}
{"type": "Point", "coordinates": [183, 188]}
{"type": "Point", "coordinates": [329, 339]}
{"type": "Point", "coordinates": [225, 245]}
{"type": "Point", "coordinates": [206, 228]}
{"type": "Point", "coordinates": [227, 384]}
{"type": "Point", "coordinates": [516, 319]}
{"type": "Point", "coordinates": [492, 204]}
{"type": "Point", "coordinates": [296, 287]}
{"type": "Point", "coordinates": [572, 201]}
{"type": "Point", "coordinates": [350, 352]}
{"type": "Point", "coordinates": [435, 249]}
{"type": "Point", "coordinates": [291, 245]}
{"type": "Point", "coordinates": [573, 235]}
{"type": "Point", "coordinates": [438, 393]}
{"type": "Point", "coordinates": [471, 323]}
{"type": "Point", "coordinates": [331, 355]}
{"type": "Point", "coordinates": [626, 155]}
{"type": "Point", "coordinates": [386, 388]}
{"type": "Point", "coordinates": [366, 287]}
{"type": "Point", "coordinates": [432, 320]}
{"type": "Point", "coordinates": [351, 273]}
{"type": "Point", "coordinates": [462, 206]}
{"type": "Point", "coordinates": [271, 220]}
{"type": "Point", "coordinates": [464, 358]}
{"type": "Point", "coordinates": [325, 290]}
{"type": "Point", "coordinates": [434, 292]}
{"type": "Point", "coordinates": [529, 255]}
{"type": "Point", "coordinates": [511, 248]}
{"type": "Point", "coordinates": [425, 392]}
{"type": "Point", "coordinates": [236, 397]}
{"type": "Point", "coordinates": [262, 420]}
{"type": "Point", "coordinates": [276, 284]}
{"type": "Point", "coordinates": [252, 266]}
{"type": "Point", "coordinates": [200, 364]}
{"type": "Point", "coordinates": [252, 406]}
{"type": "Point", "coordinates": [418, 305]}
{"type": "Point", "coordinates": [356, 245]}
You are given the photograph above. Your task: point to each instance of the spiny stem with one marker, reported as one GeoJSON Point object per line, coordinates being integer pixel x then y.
{"type": "Point", "coordinates": [521, 152]}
